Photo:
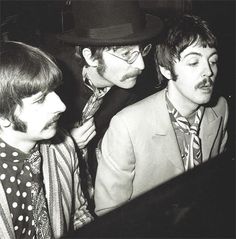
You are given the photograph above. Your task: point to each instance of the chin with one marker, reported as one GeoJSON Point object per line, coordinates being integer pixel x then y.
{"type": "Point", "coordinates": [48, 134]}
{"type": "Point", "coordinates": [130, 84]}
{"type": "Point", "coordinates": [202, 98]}
{"type": "Point", "coordinates": [203, 101]}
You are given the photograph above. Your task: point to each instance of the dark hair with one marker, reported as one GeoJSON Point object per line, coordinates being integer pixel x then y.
{"type": "Point", "coordinates": [180, 33]}
{"type": "Point", "coordinates": [95, 51]}
{"type": "Point", "coordinates": [24, 71]}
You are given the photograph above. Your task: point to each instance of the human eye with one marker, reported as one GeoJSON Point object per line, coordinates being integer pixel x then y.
{"type": "Point", "coordinates": [41, 99]}
{"type": "Point", "coordinates": [214, 61]}
{"type": "Point", "coordinates": [193, 62]}
{"type": "Point", "coordinates": [125, 54]}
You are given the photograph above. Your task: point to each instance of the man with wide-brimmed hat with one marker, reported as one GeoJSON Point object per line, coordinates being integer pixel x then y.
{"type": "Point", "coordinates": [111, 38]}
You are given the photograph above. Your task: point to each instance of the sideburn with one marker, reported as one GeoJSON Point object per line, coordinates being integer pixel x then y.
{"type": "Point", "coordinates": [101, 68]}
{"type": "Point", "coordinates": [174, 77]}
{"type": "Point", "coordinates": [18, 124]}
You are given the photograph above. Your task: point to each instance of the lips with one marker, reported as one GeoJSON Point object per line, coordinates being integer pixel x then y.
{"type": "Point", "coordinates": [206, 84]}
{"type": "Point", "coordinates": [206, 88]}
{"type": "Point", "coordinates": [54, 120]}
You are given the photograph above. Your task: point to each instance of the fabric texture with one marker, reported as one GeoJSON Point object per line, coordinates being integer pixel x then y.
{"type": "Point", "coordinates": [191, 151]}
{"type": "Point", "coordinates": [89, 110]}
{"type": "Point", "coordinates": [20, 176]}
{"type": "Point", "coordinates": [140, 151]}
{"type": "Point", "coordinates": [67, 207]}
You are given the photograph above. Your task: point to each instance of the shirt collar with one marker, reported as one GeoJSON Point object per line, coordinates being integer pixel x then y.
{"type": "Point", "coordinates": [176, 114]}
{"type": "Point", "coordinates": [9, 151]}
{"type": "Point", "coordinates": [171, 107]}
{"type": "Point", "coordinates": [92, 87]}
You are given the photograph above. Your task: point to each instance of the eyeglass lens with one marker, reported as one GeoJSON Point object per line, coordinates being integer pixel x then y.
{"type": "Point", "coordinates": [143, 52]}
{"type": "Point", "coordinates": [146, 49]}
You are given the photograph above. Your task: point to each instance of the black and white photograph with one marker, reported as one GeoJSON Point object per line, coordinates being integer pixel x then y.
{"type": "Point", "coordinates": [117, 119]}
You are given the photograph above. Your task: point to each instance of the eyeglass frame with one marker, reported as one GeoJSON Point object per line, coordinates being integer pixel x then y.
{"type": "Point", "coordinates": [130, 60]}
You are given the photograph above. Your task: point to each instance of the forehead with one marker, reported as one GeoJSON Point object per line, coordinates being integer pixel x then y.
{"type": "Point", "coordinates": [197, 50]}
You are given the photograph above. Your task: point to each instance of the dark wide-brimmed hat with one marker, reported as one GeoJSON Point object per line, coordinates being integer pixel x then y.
{"type": "Point", "coordinates": [111, 22]}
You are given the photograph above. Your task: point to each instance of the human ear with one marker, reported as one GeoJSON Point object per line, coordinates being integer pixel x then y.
{"type": "Point", "coordinates": [165, 72]}
{"type": "Point", "coordinates": [4, 123]}
{"type": "Point", "coordinates": [87, 54]}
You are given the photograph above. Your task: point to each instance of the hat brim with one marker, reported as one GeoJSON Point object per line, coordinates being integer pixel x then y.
{"type": "Point", "coordinates": [153, 27]}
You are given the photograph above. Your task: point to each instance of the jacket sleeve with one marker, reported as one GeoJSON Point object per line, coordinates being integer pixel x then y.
{"type": "Point", "coordinates": [116, 165]}
{"type": "Point", "coordinates": [79, 213]}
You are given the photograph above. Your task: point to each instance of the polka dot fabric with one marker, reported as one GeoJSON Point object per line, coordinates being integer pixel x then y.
{"type": "Point", "coordinates": [20, 177]}
{"type": "Point", "coordinates": [14, 176]}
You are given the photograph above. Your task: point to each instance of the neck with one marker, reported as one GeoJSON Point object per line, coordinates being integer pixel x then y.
{"type": "Point", "coordinates": [18, 141]}
{"type": "Point", "coordinates": [97, 80]}
{"type": "Point", "coordinates": [183, 105]}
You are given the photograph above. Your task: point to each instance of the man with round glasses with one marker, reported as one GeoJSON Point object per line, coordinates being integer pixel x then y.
{"type": "Point", "coordinates": [131, 56]}
{"type": "Point", "coordinates": [111, 38]}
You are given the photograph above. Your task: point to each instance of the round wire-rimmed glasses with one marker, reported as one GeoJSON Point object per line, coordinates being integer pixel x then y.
{"type": "Point", "coordinates": [131, 57]}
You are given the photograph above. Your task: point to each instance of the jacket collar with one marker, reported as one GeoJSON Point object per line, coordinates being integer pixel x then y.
{"type": "Point", "coordinates": [208, 130]}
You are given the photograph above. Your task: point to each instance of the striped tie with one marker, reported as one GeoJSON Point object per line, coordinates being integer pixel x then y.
{"type": "Point", "coordinates": [192, 155]}
{"type": "Point", "coordinates": [195, 153]}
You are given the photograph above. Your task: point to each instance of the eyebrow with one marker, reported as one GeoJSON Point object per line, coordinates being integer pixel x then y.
{"type": "Point", "coordinates": [199, 54]}
{"type": "Point", "coordinates": [36, 98]}
{"type": "Point", "coordinates": [126, 48]}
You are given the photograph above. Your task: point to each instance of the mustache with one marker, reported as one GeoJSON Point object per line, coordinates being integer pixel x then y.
{"type": "Point", "coordinates": [207, 82]}
{"type": "Point", "coordinates": [135, 73]}
{"type": "Point", "coordinates": [52, 121]}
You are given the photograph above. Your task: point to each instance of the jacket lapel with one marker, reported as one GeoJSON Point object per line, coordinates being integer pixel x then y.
{"type": "Point", "coordinates": [53, 189]}
{"type": "Point", "coordinates": [165, 134]}
{"type": "Point", "coordinates": [208, 131]}
{"type": "Point", "coordinates": [6, 226]}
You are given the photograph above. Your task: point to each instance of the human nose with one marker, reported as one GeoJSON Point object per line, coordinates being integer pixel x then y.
{"type": "Point", "coordinates": [57, 103]}
{"type": "Point", "coordinates": [207, 71]}
{"type": "Point", "coordinates": [139, 63]}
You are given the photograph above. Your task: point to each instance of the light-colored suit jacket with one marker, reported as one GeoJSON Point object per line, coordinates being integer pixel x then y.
{"type": "Point", "coordinates": [140, 151]}
{"type": "Point", "coordinates": [66, 203]}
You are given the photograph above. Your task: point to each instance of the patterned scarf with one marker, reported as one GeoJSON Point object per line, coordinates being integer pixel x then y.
{"type": "Point", "coordinates": [40, 212]}
{"type": "Point", "coordinates": [89, 110]}
{"type": "Point", "coordinates": [192, 153]}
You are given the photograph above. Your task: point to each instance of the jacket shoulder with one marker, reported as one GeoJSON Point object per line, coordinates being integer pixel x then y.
{"type": "Point", "coordinates": [145, 106]}
{"type": "Point", "coordinates": [62, 148]}
{"type": "Point", "coordinates": [220, 107]}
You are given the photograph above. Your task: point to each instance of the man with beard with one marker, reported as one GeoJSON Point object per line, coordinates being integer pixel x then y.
{"type": "Point", "coordinates": [171, 131]}
{"type": "Point", "coordinates": [40, 192]}
{"type": "Point", "coordinates": [111, 39]}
